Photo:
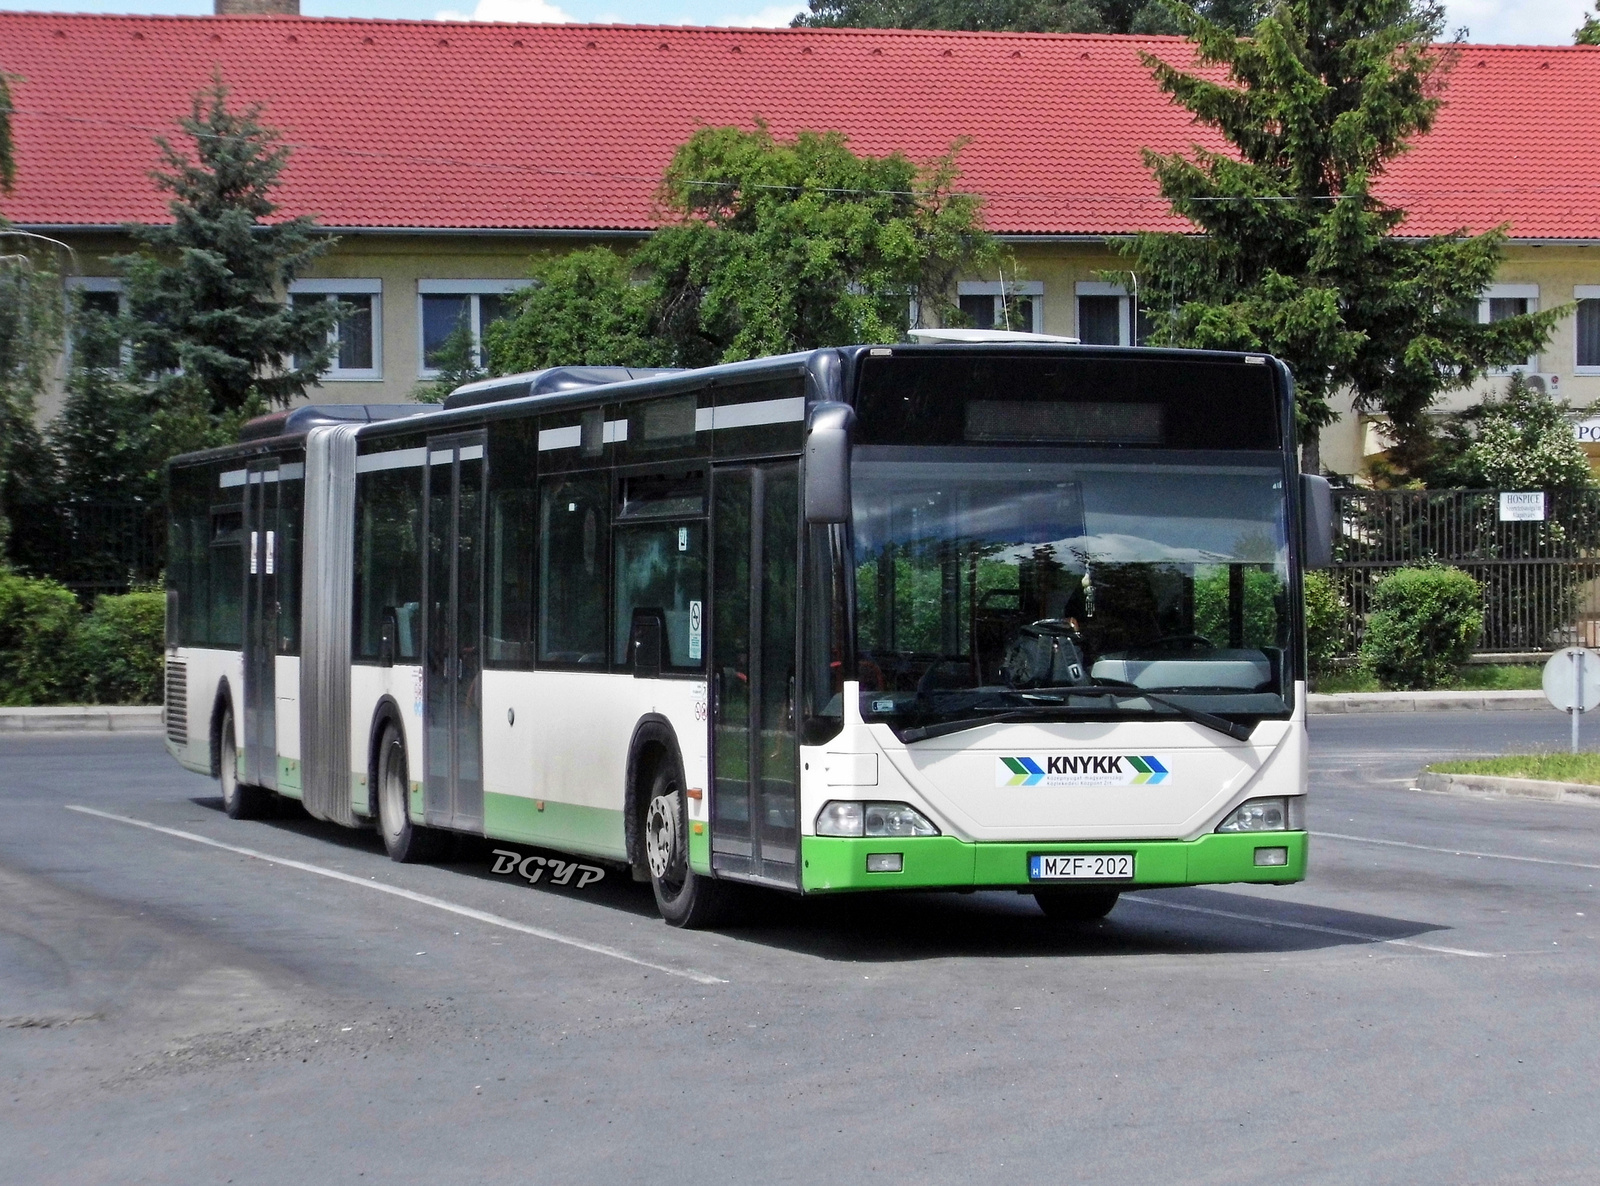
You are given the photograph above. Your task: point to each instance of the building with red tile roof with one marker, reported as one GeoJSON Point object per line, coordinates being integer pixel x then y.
{"type": "Point", "coordinates": [449, 152]}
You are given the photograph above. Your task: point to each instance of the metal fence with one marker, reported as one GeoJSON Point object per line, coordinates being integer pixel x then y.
{"type": "Point", "coordinates": [1541, 580]}
{"type": "Point", "coordinates": [91, 547]}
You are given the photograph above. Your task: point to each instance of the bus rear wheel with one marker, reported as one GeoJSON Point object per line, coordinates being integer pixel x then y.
{"type": "Point", "coordinates": [684, 897]}
{"type": "Point", "coordinates": [1076, 905]}
{"type": "Point", "coordinates": [403, 840]}
{"type": "Point", "coordinates": [239, 801]}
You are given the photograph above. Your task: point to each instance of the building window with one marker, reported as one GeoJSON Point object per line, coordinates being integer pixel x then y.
{"type": "Point", "coordinates": [357, 333]}
{"type": "Point", "coordinates": [1500, 301]}
{"type": "Point", "coordinates": [100, 296]}
{"type": "Point", "coordinates": [1105, 315]}
{"type": "Point", "coordinates": [1017, 305]}
{"type": "Point", "coordinates": [1588, 328]}
{"type": "Point", "coordinates": [446, 307]}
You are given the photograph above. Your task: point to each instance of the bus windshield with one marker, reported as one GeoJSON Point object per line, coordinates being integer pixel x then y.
{"type": "Point", "coordinates": [997, 580]}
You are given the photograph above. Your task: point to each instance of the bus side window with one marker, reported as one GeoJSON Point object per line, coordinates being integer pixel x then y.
{"type": "Point", "coordinates": [660, 566]}
{"type": "Point", "coordinates": [574, 522]}
{"type": "Point", "coordinates": [388, 576]}
{"type": "Point", "coordinates": [507, 587]}
{"type": "Point", "coordinates": [188, 562]}
{"type": "Point", "coordinates": [227, 576]}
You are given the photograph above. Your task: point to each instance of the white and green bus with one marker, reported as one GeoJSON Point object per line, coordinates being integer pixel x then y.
{"type": "Point", "coordinates": [980, 615]}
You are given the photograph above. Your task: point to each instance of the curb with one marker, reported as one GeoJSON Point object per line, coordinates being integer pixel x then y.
{"type": "Point", "coordinates": [1520, 788]}
{"type": "Point", "coordinates": [96, 718]}
{"type": "Point", "coordinates": [1528, 700]}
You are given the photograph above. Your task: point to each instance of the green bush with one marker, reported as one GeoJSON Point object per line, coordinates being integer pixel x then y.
{"type": "Point", "coordinates": [1422, 627]}
{"type": "Point", "coordinates": [120, 649]}
{"type": "Point", "coordinates": [39, 624]}
{"type": "Point", "coordinates": [1327, 622]}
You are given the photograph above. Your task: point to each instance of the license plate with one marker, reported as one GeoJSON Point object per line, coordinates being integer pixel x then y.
{"type": "Point", "coordinates": [1081, 866]}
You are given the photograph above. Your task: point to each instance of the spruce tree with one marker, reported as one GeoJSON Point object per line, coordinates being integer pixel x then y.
{"type": "Point", "coordinates": [205, 305]}
{"type": "Point", "coordinates": [1296, 255]}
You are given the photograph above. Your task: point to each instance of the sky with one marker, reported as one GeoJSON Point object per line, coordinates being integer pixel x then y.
{"type": "Point", "coordinates": [1524, 22]}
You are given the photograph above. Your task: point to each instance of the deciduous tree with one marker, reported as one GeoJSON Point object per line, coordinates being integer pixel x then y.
{"type": "Point", "coordinates": [1022, 16]}
{"type": "Point", "coordinates": [766, 247]}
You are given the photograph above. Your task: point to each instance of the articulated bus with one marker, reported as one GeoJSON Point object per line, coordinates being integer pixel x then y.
{"type": "Point", "coordinates": [980, 615]}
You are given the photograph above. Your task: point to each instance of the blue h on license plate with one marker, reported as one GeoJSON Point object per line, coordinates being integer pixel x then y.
{"type": "Point", "coordinates": [1081, 866]}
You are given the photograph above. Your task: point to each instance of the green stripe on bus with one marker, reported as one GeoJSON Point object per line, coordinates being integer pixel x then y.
{"type": "Point", "coordinates": [569, 827]}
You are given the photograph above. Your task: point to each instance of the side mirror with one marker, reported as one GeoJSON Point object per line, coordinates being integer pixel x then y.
{"type": "Point", "coordinates": [827, 492]}
{"type": "Point", "coordinates": [173, 633]}
{"type": "Point", "coordinates": [645, 643]}
{"type": "Point", "coordinates": [389, 638]}
{"type": "Point", "coordinates": [1316, 509]}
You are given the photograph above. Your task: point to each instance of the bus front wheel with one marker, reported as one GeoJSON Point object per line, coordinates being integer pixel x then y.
{"type": "Point", "coordinates": [684, 897]}
{"type": "Point", "coordinates": [403, 840]}
{"type": "Point", "coordinates": [238, 800]}
{"type": "Point", "coordinates": [1076, 905]}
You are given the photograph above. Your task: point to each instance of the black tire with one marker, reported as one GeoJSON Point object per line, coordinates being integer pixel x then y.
{"type": "Point", "coordinates": [239, 801]}
{"type": "Point", "coordinates": [1076, 905]}
{"type": "Point", "coordinates": [685, 898]}
{"type": "Point", "coordinates": [403, 840]}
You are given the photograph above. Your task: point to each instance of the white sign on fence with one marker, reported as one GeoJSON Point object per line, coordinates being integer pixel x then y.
{"type": "Point", "coordinates": [1525, 507]}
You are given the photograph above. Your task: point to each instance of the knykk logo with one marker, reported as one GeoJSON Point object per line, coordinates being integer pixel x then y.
{"type": "Point", "coordinates": [1080, 770]}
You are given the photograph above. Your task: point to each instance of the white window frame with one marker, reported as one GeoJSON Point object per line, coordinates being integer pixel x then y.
{"type": "Point", "coordinates": [1531, 292]}
{"type": "Point", "coordinates": [76, 284]}
{"type": "Point", "coordinates": [1100, 288]}
{"type": "Point", "coordinates": [1033, 290]}
{"type": "Point", "coordinates": [1582, 292]}
{"type": "Point", "coordinates": [459, 288]}
{"type": "Point", "coordinates": [332, 288]}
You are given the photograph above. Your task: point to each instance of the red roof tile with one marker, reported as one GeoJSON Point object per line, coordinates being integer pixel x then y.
{"type": "Point", "coordinates": [437, 125]}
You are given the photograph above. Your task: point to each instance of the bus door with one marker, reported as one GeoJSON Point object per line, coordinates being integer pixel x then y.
{"type": "Point", "coordinates": [755, 546]}
{"type": "Point", "coordinates": [452, 634]}
{"type": "Point", "coordinates": [263, 541]}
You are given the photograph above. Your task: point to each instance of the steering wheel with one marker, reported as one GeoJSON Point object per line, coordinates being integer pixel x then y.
{"type": "Point", "coordinates": [1187, 642]}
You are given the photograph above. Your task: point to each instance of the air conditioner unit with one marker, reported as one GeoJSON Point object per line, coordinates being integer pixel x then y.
{"type": "Point", "coordinates": [1544, 381]}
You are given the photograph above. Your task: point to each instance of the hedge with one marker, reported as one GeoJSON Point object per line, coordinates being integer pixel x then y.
{"type": "Point", "coordinates": [51, 652]}
{"type": "Point", "coordinates": [1422, 626]}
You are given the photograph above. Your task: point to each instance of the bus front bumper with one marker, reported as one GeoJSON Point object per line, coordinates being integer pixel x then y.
{"type": "Point", "coordinates": [943, 862]}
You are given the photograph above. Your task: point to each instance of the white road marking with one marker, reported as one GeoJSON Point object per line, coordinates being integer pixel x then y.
{"type": "Point", "coordinates": [1308, 926]}
{"type": "Point", "coordinates": [1454, 852]}
{"type": "Point", "coordinates": [493, 920]}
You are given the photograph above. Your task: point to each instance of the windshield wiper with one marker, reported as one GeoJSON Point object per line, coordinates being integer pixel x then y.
{"type": "Point", "coordinates": [923, 732]}
{"type": "Point", "coordinates": [1123, 691]}
{"type": "Point", "coordinates": [1131, 692]}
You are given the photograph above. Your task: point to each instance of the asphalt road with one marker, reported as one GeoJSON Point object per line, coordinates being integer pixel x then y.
{"type": "Point", "coordinates": [1424, 1008]}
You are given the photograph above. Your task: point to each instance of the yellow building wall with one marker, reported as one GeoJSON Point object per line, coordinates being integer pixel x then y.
{"type": "Point", "coordinates": [400, 262]}
{"type": "Point", "coordinates": [1557, 270]}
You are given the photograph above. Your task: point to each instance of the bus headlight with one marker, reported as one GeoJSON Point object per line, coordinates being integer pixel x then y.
{"type": "Point", "coordinates": [1258, 815]}
{"type": "Point", "coordinates": [842, 817]}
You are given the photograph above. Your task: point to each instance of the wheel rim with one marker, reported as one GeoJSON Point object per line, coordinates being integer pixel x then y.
{"type": "Point", "coordinates": [663, 841]}
{"type": "Point", "coordinates": [392, 794]}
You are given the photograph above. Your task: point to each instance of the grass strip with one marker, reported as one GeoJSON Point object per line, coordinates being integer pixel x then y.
{"type": "Point", "coordinates": [1584, 768]}
{"type": "Point", "coordinates": [1502, 677]}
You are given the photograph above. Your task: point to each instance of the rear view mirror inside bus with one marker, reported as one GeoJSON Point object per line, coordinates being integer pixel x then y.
{"type": "Point", "coordinates": [827, 491]}
{"type": "Point", "coordinates": [389, 639]}
{"type": "Point", "coordinates": [644, 643]}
